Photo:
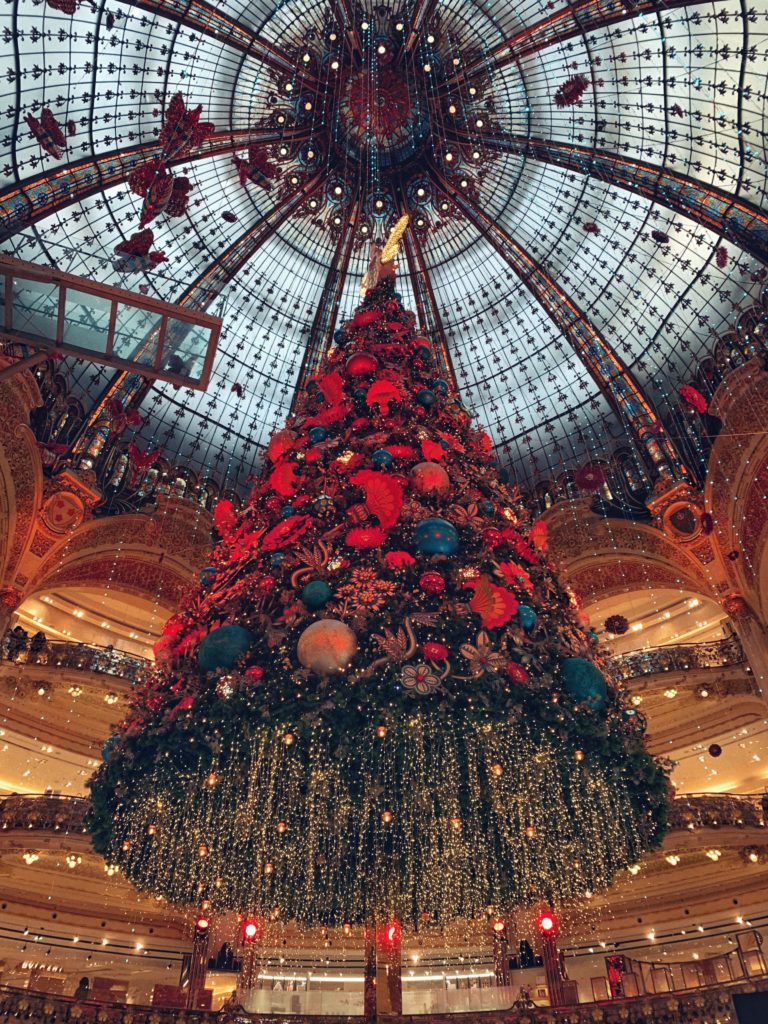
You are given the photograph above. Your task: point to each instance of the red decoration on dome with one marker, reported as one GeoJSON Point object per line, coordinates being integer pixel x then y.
{"type": "Point", "coordinates": [591, 228]}
{"type": "Point", "coordinates": [258, 168]}
{"type": "Point", "coordinates": [590, 477]}
{"type": "Point", "coordinates": [693, 398]}
{"type": "Point", "coordinates": [48, 132]}
{"type": "Point", "coordinates": [135, 253]}
{"type": "Point", "coordinates": [182, 128]}
{"type": "Point", "coordinates": [571, 91]}
{"type": "Point", "coordinates": [659, 236]}
{"type": "Point", "coordinates": [721, 257]}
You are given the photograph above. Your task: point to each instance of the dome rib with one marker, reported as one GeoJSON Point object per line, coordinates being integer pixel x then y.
{"type": "Point", "coordinates": [720, 211]}
{"type": "Point", "coordinates": [608, 371]}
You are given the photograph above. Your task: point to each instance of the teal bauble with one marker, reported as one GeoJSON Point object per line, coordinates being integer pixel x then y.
{"type": "Point", "coordinates": [423, 352]}
{"type": "Point", "coordinates": [317, 434]}
{"type": "Point", "coordinates": [287, 511]}
{"type": "Point", "coordinates": [276, 558]}
{"type": "Point", "coordinates": [527, 617]}
{"type": "Point", "coordinates": [440, 386]}
{"type": "Point", "coordinates": [207, 576]}
{"type": "Point", "coordinates": [359, 394]}
{"type": "Point", "coordinates": [315, 594]}
{"type": "Point", "coordinates": [425, 397]}
{"type": "Point", "coordinates": [584, 682]}
{"type": "Point", "coordinates": [223, 646]}
{"type": "Point", "coordinates": [107, 747]}
{"type": "Point", "coordinates": [382, 459]}
{"type": "Point", "coordinates": [436, 537]}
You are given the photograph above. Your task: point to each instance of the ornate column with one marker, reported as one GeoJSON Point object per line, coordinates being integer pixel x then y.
{"type": "Point", "coordinates": [199, 961]}
{"type": "Point", "coordinates": [754, 639]}
{"type": "Point", "coordinates": [500, 952]}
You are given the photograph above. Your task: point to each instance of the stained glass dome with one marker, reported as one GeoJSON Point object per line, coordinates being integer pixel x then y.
{"type": "Point", "coordinates": [586, 185]}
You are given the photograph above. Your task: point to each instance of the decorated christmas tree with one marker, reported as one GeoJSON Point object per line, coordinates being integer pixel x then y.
{"type": "Point", "coordinates": [380, 699]}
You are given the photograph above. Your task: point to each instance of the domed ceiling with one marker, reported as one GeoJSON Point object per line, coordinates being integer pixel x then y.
{"type": "Point", "coordinates": [586, 184]}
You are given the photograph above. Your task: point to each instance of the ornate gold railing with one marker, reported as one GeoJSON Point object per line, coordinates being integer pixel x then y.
{"type": "Point", "coordinates": [696, 1006]}
{"type": "Point", "coordinates": [85, 657]}
{"type": "Point", "coordinates": [717, 654]}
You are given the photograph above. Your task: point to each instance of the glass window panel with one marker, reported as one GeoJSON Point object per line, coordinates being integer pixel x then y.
{"type": "Point", "coordinates": [86, 320]}
{"type": "Point", "coordinates": [137, 333]}
{"type": "Point", "coordinates": [35, 308]}
{"type": "Point", "coordinates": [185, 348]}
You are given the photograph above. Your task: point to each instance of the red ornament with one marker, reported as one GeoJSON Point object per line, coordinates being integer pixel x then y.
{"type": "Point", "coordinates": [399, 559]}
{"type": "Point", "coordinates": [266, 584]}
{"type": "Point", "coordinates": [492, 537]}
{"type": "Point", "coordinates": [432, 582]}
{"type": "Point", "coordinates": [362, 364]}
{"type": "Point", "coordinates": [517, 673]}
{"type": "Point", "coordinates": [434, 651]}
{"type": "Point", "coordinates": [715, 750]}
{"type": "Point", "coordinates": [254, 673]}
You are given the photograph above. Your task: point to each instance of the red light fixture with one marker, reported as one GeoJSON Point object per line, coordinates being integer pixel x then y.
{"type": "Point", "coordinates": [202, 924]}
{"type": "Point", "coordinates": [250, 929]}
{"type": "Point", "coordinates": [548, 923]}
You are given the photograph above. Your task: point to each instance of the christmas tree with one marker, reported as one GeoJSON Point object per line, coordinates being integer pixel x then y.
{"type": "Point", "coordinates": [380, 699]}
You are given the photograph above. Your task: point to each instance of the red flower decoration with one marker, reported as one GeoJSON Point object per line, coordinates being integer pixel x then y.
{"type": "Point", "coordinates": [284, 479]}
{"type": "Point", "coordinates": [537, 535]}
{"type": "Point", "coordinates": [693, 398]}
{"type": "Point", "coordinates": [286, 532]}
{"type": "Point", "coordinates": [224, 517]}
{"type": "Point", "coordinates": [495, 605]}
{"type": "Point", "coordinates": [432, 451]}
{"type": "Point", "coordinates": [399, 559]}
{"type": "Point", "coordinates": [590, 477]}
{"type": "Point", "coordinates": [365, 537]}
{"type": "Point", "coordinates": [516, 576]}
{"type": "Point", "coordinates": [660, 236]}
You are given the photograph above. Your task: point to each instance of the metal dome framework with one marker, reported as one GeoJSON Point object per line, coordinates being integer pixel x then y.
{"type": "Point", "coordinates": [555, 302]}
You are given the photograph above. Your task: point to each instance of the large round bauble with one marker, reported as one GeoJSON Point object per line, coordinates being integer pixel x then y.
{"type": "Point", "coordinates": [430, 478]}
{"type": "Point", "coordinates": [382, 459]}
{"type": "Point", "coordinates": [318, 434]}
{"type": "Point", "coordinates": [584, 682]}
{"type": "Point", "coordinates": [287, 511]}
{"type": "Point", "coordinates": [362, 364]}
{"type": "Point", "coordinates": [223, 646]}
{"type": "Point", "coordinates": [326, 646]}
{"type": "Point", "coordinates": [436, 537]}
{"type": "Point", "coordinates": [439, 386]}
{"type": "Point", "coordinates": [425, 397]}
{"type": "Point", "coordinates": [527, 617]}
{"type": "Point", "coordinates": [714, 749]}
{"type": "Point", "coordinates": [207, 575]}
{"type": "Point", "coordinates": [315, 594]}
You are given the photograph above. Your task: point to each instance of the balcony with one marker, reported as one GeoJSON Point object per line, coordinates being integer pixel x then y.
{"type": "Point", "coordinates": [684, 658]}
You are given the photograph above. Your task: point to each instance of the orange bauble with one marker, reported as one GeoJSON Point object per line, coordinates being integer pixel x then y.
{"type": "Point", "coordinates": [430, 478]}
{"type": "Point", "coordinates": [327, 646]}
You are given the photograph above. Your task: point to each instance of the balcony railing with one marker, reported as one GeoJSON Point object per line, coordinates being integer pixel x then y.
{"type": "Point", "coordinates": [44, 812]}
{"type": "Point", "coordinates": [717, 654]}
{"type": "Point", "coordinates": [84, 657]}
{"type": "Point", "coordinates": [695, 1006]}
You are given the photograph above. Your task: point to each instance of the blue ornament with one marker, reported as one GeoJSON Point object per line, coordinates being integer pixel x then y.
{"type": "Point", "coordinates": [338, 335]}
{"type": "Point", "coordinates": [223, 646]}
{"type": "Point", "coordinates": [107, 748]}
{"type": "Point", "coordinates": [382, 459]}
{"type": "Point", "coordinates": [312, 385]}
{"type": "Point", "coordinates": [592, 634]}
{"type": "Point", "coordinates": [634, 718]}
{"type": "Point", "coordinates": [440, 386]}
{"type": "Point", "coordinates": [317, 434]}
{"type": "Point", "coordinates": [584, 682]}
{"type": "Point", "coordinates": [423, 352]}
{"type": "Point", "coordinates": [207, 575]}
{"type": "Point", "coordinates": [398, 296]}
{"type": "Point", "coordinates": [487, 507]}
{"type": "Point", "coordinates": [315, 594]}
{"type": "Point", "coordinates": [359, 394]}
{"type": "Point", "coordinates": [286, 511]}
{"type": "Point", "coordinates": [426, 397]}
{"type": "Point", "coordinates": [276, 558]}
{"type": "Point", "coordinates": [436, 537]}
{"type": "Point", "coordinates": [527, 617]}
{"type": "Point", "coordinates": [444, 444]}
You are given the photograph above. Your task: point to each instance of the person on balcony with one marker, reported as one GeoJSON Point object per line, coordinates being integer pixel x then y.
{"type": "Point", "coordinates": [38, 647]}
{"type": "Point", "coordinates": [18, 640]}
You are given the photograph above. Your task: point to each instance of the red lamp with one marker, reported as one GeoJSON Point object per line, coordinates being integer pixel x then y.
{"type": "Point", "coordinates": [250, 929]}
{"type": "Point", "coordinates": [547, 923]}
{"type": "Point", "coordinates": [202, 924]}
